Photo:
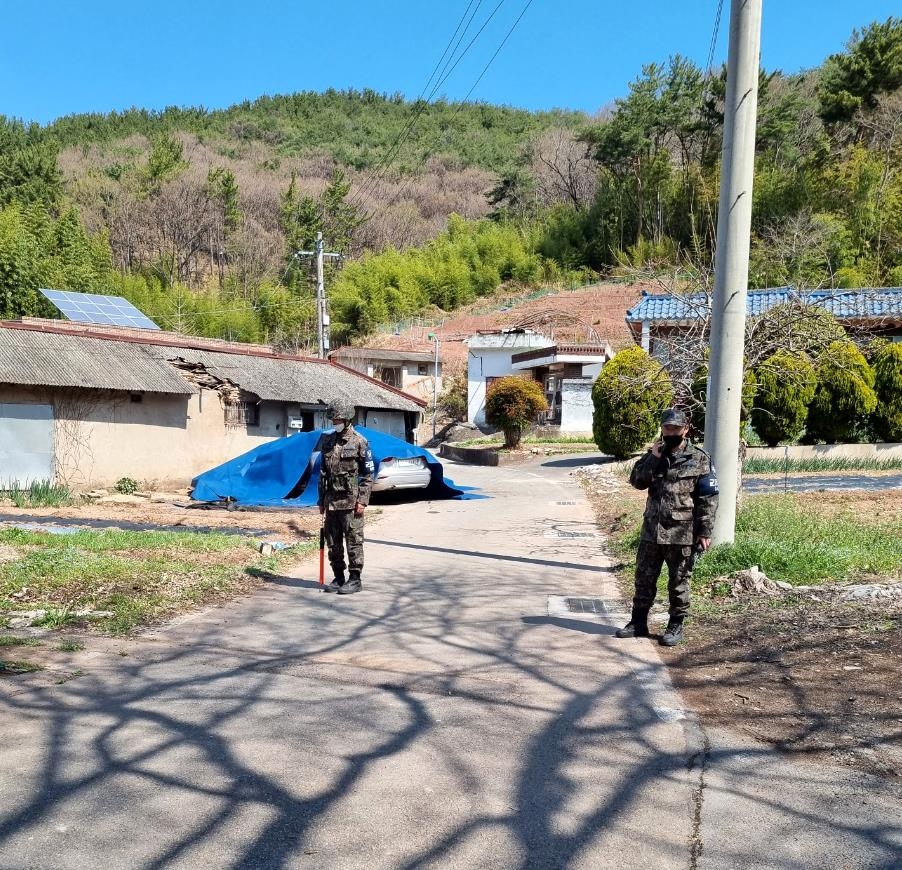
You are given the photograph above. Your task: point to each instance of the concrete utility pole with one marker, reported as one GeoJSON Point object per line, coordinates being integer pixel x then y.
{"type": "Point", "coordinates": [731, 270]}
{"type": "Point", "coordinates": [322, 312]}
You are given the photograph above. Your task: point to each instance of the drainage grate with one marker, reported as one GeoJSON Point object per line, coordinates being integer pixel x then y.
{"type": "Point", "coordinates": [585, 605]}
{"type": "Point", "coordinates": [555, 533]}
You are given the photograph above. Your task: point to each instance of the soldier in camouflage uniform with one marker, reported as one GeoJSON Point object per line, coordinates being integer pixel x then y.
{"type": "Point", "coordinates": [679, 518]}
{"type": "Point", "coordinates": [345, 483]}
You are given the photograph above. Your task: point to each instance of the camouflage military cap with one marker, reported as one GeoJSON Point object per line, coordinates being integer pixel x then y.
{"type": "Point", "coordinates": [340, 409]}
{"type": "Point", "coordinates": [674, 417]}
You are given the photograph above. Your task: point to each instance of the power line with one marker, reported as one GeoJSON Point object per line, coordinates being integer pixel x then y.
{"type": "Point", "coordinates": [446, 72]}
{"type": "Point", "coordinates": [460, 105]}
{"type": "Point", "coordinates": [370, 184]}
{"type": "Point", "coordinates": [714, 36]}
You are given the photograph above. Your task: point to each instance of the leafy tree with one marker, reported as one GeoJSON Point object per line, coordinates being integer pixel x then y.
{"type": "Point", "coordinates": [786, 385]}
{"type": "Point", "coordinates": [887, 419]}
{"type": "Point", "coordinates": [629, 395]}
{"type": "Point", "coordinates": [844, 393]}
{"type": "Point", "coordinates": [511, 404]}
{"type": "Point", "coordinates": [453, 399]}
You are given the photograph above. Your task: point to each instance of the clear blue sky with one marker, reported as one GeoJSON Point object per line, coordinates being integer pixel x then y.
{"type": "Point", "coordinates": [62, 56]}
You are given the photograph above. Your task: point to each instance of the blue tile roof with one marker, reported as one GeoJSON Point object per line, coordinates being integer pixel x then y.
{"type": "Point", "coordinates": [864, 303]}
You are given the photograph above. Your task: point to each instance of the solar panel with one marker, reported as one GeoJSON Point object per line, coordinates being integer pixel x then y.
{"type": "Point", "coordinates": [96, 308]}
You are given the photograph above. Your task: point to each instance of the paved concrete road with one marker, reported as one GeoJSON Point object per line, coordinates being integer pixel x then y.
{"type": "Point", "coordinates": [456, 714]}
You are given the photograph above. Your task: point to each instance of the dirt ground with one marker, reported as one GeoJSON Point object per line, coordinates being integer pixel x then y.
{"type": "Point", "coordinates": [805, 672]}
{"type": "Point", "coordinates": [277, 525]}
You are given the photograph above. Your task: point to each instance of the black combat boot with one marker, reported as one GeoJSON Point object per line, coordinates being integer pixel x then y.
{"type": "Point", "coordinates": [637, 626]}
{"type": "Point", "coordinates": [336, 584]}
{"type": "Point", "coordinates": [673, 634]}
{"type": "Point", "coordinates": [353, 585]}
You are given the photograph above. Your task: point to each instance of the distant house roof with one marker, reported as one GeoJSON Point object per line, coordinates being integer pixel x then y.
{"type": "Point", "coordinates": [507, 339]}
{"type": "Point", "coordinates": [582, 353]}
{"type": "Point", "coordinates": [863, 304]}
{"type": "Point", "coordinates": [381, 353]}
{"type": "Point", "coordinates": [41, 353]}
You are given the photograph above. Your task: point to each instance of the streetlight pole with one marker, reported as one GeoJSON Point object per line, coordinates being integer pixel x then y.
{"type": "Point", "coordinates": [434, 338]}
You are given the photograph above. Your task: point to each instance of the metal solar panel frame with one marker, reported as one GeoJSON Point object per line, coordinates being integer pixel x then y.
{"type": "Point", "coordinates": [98, 309]}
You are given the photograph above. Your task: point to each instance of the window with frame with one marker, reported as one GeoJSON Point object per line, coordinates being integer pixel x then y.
{"type": "Point", "coordinates": [242, 413]}
{"type": "Point", "coordinates": [422, 369]}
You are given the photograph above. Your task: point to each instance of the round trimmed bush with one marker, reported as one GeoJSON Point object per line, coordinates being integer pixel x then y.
{"type": "Point", "coordinates": [511, 404]}
{"type": "Point", "coordinates": [844, 394]}
{"type": "Point", "coordinates": [786, 385]}
{"type": "Point", "coordinates": [629, 396]}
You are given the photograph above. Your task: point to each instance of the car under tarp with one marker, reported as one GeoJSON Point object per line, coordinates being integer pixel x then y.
{"type": "Point", "coordinates": [286, 472]}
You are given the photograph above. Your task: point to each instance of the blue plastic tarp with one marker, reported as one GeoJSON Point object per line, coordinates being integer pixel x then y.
{"type": "Point", "coordinates": [286, 472]}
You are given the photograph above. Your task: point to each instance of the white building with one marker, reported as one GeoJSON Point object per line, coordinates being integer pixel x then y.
{"type": "Point", "coordinates": [489, 358]}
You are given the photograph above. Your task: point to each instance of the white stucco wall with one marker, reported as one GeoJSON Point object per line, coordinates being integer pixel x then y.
{"type": "Point", "coordinates": [162, 441]}
{"type": "Point", "coordinates": [576, 405]}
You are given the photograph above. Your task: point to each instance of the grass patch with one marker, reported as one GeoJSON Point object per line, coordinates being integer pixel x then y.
{"type": "Point", "coordinates": [18, 667]}
{"type": "Point", "coordinates": [798, 545]}
{"type": "Point", "coordinates": [12, 640]}
{"type": "Point", "coordinates": [70, 646]}
{"type": "Point", "coordinates": [138, 576]}
{"type": "Point", "coordinates": [764, 465]}
{"type": "Point", "coordinates": [790, 541]}
{"type": "Point", "coordinates": [38, 493]}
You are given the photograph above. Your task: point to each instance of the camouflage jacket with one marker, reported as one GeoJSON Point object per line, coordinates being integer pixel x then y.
{"type": "Point", "coordinates": [682, 495]}
{"type": "Point", "coordinates": [345, 471]}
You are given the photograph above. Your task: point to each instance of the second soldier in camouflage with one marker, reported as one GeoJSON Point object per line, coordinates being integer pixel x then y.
{"type": "Point", "coordinates": [679, 518]}
{"type": "Point", "coordinates": [345, 484]}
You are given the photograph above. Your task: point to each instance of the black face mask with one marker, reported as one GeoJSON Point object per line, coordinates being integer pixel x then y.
{"type": "Point", "coordinates": [671, 442]}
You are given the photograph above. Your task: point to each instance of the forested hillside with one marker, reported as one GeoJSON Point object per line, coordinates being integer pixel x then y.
{"type": "Point", "coordinates": [196, 216]}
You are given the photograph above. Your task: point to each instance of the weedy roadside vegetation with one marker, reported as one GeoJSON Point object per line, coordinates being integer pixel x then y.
{"type": "Point", "coordinates": [138, 577]}
{"type": "Point", "coordinates": [789, 540]}
{"type": "Point", "coordinates": [37, 493]}
{"type": "Point", "coordinates": [762, 465]}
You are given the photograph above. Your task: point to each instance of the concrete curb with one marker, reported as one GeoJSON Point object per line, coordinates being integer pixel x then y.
{"type": "Point", "coordinates": [470, 455]}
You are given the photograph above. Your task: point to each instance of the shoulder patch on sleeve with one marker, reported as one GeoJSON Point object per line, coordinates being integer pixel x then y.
{"type": "Point", "coordinates": [707, 483]}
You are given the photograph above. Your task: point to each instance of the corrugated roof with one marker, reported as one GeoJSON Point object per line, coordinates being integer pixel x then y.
{"type": "Point", "coordinates": [865, 303]}
{"type": "Point", "coordinates": [47, 359]}
{"type": "Point", "coordinates": [377, 353]}
{"type": "Point", "coordinates": [289, 379]}
{"type": "Point", "coordinates": [39, 355]}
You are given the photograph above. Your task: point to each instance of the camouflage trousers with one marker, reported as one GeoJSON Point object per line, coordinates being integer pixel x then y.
{"type": "Point", "coordinates": [649, 561]}
{"type": "Point", "coordinates": [341, 528]}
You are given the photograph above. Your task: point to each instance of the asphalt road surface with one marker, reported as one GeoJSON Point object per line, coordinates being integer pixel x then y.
{"type": "Point", "coordinates": [469, 709]}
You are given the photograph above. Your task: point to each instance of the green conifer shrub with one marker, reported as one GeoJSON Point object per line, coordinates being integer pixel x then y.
{"type": "Point", "coordinates": [887, 419]}
{"type": "Point", "coordinates": [786, 385]}
{"type": "Point", "coordinates": [844, 393]}
{"type": "Point", "coordinates": [629, 396]}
